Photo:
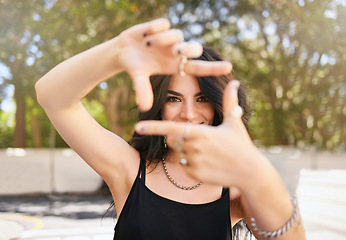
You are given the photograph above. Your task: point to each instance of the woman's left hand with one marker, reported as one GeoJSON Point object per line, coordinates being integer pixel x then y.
{"type": "Point", "coordinates": [222, 155]}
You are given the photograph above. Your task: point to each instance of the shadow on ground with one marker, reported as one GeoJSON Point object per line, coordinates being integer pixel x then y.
{"type": "Point", "coordinates": [67, 206]}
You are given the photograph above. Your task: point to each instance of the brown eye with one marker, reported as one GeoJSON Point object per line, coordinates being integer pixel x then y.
{"type": "Point", "coordinates": [202, 99]}
{"type": "Point", "coordinates": [172, 99]}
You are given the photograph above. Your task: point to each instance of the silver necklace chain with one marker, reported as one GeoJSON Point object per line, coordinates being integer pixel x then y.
{"type": "Point", "coordinates": [174, 182]}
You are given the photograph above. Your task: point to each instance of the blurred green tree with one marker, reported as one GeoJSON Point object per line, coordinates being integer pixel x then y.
{"type": "Point", "coordinates": [292, 55]}
{"type": "Point", "coordinates": [37, 35]}
{"type": "Point", "coordinates": [17, 53]}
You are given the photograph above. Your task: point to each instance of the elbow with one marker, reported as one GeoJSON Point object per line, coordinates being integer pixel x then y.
{"type": "Point", "coordinates": [42, 95]}
{"type": "Point", "coordinates": [39, 92]}
{"type": "Point", "coordinates": [49, 97]}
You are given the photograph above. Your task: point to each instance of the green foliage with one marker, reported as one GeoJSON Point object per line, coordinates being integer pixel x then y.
{"type": "Point", "coordinates": [37, 35]}
{"type": "Point", "coordinates": [291, 54]}
{"type": "Point", "coordinates": [95, 108]}
{"type": "Point", "coordinates": [6, 129]}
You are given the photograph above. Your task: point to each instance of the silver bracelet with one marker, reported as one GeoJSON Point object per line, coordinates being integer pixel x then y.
{"type": "Point", "coordinates": [281, 231]}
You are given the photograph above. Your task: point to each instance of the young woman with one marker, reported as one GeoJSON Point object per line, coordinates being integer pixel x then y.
{"type": "Point", "coordinates": [179, 178]}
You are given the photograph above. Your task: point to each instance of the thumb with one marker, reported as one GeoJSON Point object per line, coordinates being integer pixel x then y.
{"type": "Point", "coordinates": [143, 90]}
{"type": "Point", "coordinates": [231, 108]}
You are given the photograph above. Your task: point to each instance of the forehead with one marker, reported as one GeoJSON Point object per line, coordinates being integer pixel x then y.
{"type": "Point", "coordinates": [186, 84]}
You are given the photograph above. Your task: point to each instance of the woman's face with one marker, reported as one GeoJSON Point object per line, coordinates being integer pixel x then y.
{"type": "Point", "coordinates": [186, 103]}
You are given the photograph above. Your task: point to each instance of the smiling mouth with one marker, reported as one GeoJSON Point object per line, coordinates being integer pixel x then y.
{"type": "Point", "coordinates": [196, 123]}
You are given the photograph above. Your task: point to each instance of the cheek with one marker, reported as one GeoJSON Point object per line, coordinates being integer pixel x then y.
{"type": "Point", "coordinates": [164, 113]}
{"type": "Point", "coordinates": [168, 112]}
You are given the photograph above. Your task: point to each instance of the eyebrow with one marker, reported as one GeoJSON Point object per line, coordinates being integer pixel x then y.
{"type": "Point", "coordinates": [181, 95]}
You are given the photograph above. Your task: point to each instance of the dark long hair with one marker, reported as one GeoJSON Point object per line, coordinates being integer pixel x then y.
{"type": "Point", "coordinates": [151, 148]}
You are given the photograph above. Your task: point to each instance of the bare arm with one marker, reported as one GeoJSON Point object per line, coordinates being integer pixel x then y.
{"type": "Point", "coordinates": [59, 92]}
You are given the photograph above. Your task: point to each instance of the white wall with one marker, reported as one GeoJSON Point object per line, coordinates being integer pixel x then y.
{"type": "Point", "coordinates": [31, 171]}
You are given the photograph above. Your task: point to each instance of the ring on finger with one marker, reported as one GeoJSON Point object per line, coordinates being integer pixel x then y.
{"type": "Point", "coordinates": [236, 112]}
{"type": "Point", "coordinates": [182, 66]}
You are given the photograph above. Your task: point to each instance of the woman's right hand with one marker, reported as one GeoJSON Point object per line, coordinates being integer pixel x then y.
{"type": "Point", "coordinates": [153, 48]}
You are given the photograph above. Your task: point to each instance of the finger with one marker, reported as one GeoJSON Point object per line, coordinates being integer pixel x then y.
{"type": "Point", "coordinates": [144, 92]}
{"type": "Point", "coordinates": [155, 26]}
{"type": "Point", "coordinates": [188, 49]}
{"type": "Point", "coordinates": [164, 128]}
{"type": "Point", "coordinates": [165, 38]}
{"type": "Point", "coordinates": [231, 109]}
{"type": "Point", "coordinates": [207, 68]}
{"type": "Point", "coordinates": [230, 96]}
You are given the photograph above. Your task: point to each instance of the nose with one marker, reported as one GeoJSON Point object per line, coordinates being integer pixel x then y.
{"type": "Point", "coordinates": [189, 111]}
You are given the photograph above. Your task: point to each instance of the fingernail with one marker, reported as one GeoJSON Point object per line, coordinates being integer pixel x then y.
{"type": "Point", "coordinates": [195, 49]}
{"type": "Point", "coordinates": [178, 52]}
{"type": "Point", "coordinates": [148, 43]}
{"type": "Point", "coordinates": [139, 128]}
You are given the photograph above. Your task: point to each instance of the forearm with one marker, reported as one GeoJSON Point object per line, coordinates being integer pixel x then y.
{"type": "Point", "coordinates": [268, 201]}
{"type": "Point", "coordinates": [72, 79]}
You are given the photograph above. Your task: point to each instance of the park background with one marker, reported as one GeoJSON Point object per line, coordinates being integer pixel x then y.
{"type": "Point", "coordinates": [291, 54]}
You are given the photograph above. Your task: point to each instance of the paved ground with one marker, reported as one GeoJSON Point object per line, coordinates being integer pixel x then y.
{"type": "Point", "coordinates": [56, 218]}
{"type": "Point", "coordinates": [82, 218]}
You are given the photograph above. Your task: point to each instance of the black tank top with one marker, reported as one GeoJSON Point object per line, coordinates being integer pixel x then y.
{"type": "Point", "coordinates": [148, 216]}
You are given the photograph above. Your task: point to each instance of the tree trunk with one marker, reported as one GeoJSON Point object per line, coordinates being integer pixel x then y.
{"type": "Point", "coordinates": [278, 120]}
{"type": "Point", "coordinates": [20, 131]}
{"type": "Point", "coordinates": [36, 132]}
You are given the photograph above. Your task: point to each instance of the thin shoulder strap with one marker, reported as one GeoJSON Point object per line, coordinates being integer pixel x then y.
{"type": "Point", "coordinates": [141, 170]}
{"type": "Point", "coordinates": [224, 191]}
